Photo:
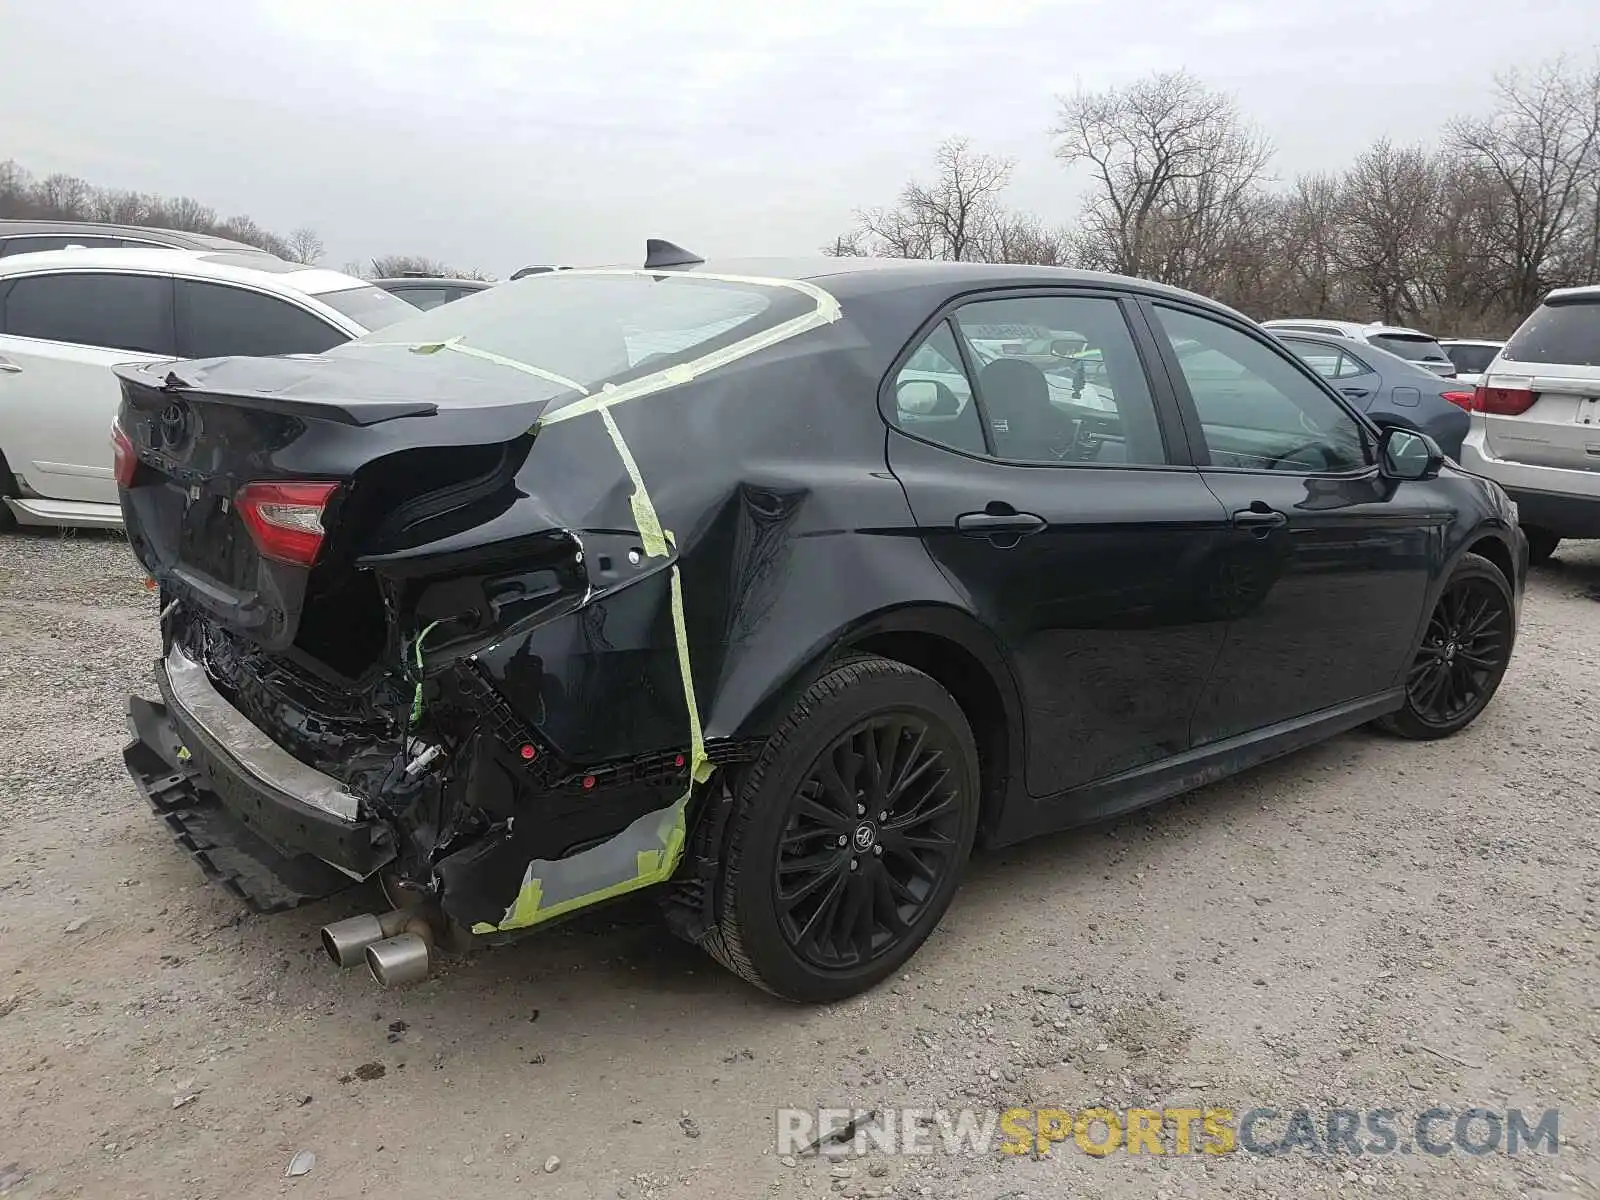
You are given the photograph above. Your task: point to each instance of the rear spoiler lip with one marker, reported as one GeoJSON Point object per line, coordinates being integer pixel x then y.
{"type": "Point", "coordinates": [140, 380]}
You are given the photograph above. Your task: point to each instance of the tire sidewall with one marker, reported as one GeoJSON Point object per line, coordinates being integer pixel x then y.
{"type": "Point", "coordinates": [1473, 566]}
{"type": "Point", "coordinates": [755, 905]}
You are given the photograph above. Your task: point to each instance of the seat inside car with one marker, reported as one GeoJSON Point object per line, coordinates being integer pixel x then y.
{"type": "Point", "coordinates": [1025, 424]}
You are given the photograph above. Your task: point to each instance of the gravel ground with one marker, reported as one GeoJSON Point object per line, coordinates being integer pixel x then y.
{"type": "Point", "coordinates": [1368, 924]}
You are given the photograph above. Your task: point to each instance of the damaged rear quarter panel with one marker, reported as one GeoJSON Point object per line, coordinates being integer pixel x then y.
{"type": "Point", "coordinates": [785, 531]}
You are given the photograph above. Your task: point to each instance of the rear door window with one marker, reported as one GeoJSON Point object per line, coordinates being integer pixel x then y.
{"type": "Point", "coordinates": [1076, 394]}
{"type": "Point", "coordinates": [1566, 332]}
{"type": "Point", "coordinates": [112, 311]}
{"type": "Point", "coordinates": [1328, 361]}
{"type": "Point", "coordinates": [218, 319]}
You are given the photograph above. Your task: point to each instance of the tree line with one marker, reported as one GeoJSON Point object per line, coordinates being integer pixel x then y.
{"type": "Point", "coordinates": [61, 197]}
{"type": "Point", "coordinates": [1460, 237]}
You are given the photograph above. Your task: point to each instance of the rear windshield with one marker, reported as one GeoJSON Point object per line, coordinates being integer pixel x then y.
{"type": "Point", "coordinates": [1567, 332]}
{"type": "Point", "coordinates": [1415, 349]}
{"type": "Point", "coordinates": [368, 306]}
{"type": "Point", "coordinates": [598, 328]}
{"type": "Point", "coordinates": [1474, 360]}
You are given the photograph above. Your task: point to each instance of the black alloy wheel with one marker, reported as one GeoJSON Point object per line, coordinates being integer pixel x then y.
{"type": "Point", "coordinates": [870, 835]}
{"type": "Point", "coordinates": [847, 837]}
{"type": "Point", "coordinates": [1464, 653]}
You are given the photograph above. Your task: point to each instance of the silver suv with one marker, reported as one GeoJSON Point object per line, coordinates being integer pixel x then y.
{"type": "Point", "coordinates": [1413, 345]}
{"type": "Point", "coordinates": [1536, 420]}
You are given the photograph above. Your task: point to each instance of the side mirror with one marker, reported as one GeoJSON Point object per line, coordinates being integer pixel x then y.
{"type": "Point", "coordinates": [1065, 347]}
{"type": "Point", "coordinates": [925, 398]}
{"type": "Point", "coordinates": [1407, 454]}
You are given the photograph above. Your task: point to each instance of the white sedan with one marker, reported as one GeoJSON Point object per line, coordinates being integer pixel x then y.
{"type": "Point", "coordinates": [68, 316]}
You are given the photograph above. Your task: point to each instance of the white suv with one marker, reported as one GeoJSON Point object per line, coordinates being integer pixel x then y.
{"type": "Point", "coordinates": [1410, 344]}
{"type": "Point", "coordinates": [68, 316]}
{"type": "Point", "coordinates": [1536, 420]}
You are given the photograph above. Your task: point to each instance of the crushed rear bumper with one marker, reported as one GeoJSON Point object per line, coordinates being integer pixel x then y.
{"type": "Point", "coordinates": [232, 810]}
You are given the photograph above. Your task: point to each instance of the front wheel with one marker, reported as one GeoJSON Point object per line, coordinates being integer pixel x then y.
{"type": "Point", "coordinates": [1463, 655]}
{"type": "Point", "coordinates": [849, 834]}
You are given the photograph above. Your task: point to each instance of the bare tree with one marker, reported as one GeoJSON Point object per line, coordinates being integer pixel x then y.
{"type": "Point", "coordinates": [304, 245]}
{"type": "Point", "coordinates": [956, 216]}
{"type": "Point", "coordinates": [1540, 149]}
{"type": "Point", "coordinates": [1388, 206]}
{"type": "Point", "coordinates": [389, 265]}
{"type": "Point", "coordinates": [1174, 170]}
{"type": "Point", "coordinates": [846, 245]}
{"type": "Point", "coordinates": [64, 197]}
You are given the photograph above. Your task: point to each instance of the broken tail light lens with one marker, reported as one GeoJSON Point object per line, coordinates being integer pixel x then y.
{"type": "Point", "coordinates": [124, 461]}
{"type": "Point", "coordinates": [1502, 401]}
{"type": "Point", "coordinates": [285, 519]}
{"type": "Point", "coordinates": [1459, 399]}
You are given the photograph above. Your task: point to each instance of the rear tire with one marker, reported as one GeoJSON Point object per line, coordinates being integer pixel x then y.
{"type": "Point", "coordinates": [1463, 656]}
{"type": "Point", "coordinates": [1541, 544]}
{"type": "Point", "coordinates": [848, 835]}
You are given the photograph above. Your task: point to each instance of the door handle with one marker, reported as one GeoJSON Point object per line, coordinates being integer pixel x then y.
{"type": "Point", "coordinates": [9, 367]}
{"type": "Point", "coordinates": [987, 524]}
{"type": "Point", "coordinates": [1356, 393]}
{"type": "Point", "coordinates": [1259, 520]}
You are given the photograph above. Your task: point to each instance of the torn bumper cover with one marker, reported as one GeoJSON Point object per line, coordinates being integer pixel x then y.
{"type": "Point", "coordinates": [253, 825]}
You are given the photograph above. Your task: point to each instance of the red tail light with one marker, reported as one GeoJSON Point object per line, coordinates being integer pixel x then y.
{"type": "Point", "coordinates": [123, 459]}
{"type": "Point", "coordinates": [285, 519]}
{"type": "Point", "coordinates": [1459, 399]}
{"type": "Point", "coordinates": [1502, 401]}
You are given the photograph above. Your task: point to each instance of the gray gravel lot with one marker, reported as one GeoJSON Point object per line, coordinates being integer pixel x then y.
{"type": "Point", "coordinates": [1369, 924]}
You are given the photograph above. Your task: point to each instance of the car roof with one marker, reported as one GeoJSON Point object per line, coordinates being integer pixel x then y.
{"type": "Point", "coordinates": [1351, 328]}
{"type": "Point", "coordinates": [178, 237]}
{"type": "Point", "coordinates": [431, 281]}
{"type": "Point", "coordinates": [850, 278]}
{"type": "Point", "coordinates": [1574, 293]}
{"type": "Point", "coordinates": [223, 266]}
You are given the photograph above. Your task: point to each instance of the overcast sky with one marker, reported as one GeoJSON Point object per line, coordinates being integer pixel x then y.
{"type": "Point", "coordinates": [517, 131]}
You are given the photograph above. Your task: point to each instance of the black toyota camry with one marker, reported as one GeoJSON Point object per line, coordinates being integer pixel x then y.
{"type": "Point", "coordinates": [774, 585]}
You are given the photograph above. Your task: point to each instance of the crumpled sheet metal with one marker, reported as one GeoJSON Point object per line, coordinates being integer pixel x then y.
{"type": "Point", "coordinates": [649, 849]}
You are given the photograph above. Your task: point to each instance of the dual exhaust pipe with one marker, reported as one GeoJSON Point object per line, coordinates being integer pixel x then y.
{"type": "Point", "coordinates": [397, 947]}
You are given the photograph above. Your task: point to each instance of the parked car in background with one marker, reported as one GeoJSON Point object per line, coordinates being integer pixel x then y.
{"type": "Point", "coordinates": [34, 237]}
{"type": "Point", "coordinates": [1410, 344]}
{"type": "Point", "coordinates": [428, 291]}
{"type": "Point", "coordinates": [68, 316]}
{"type": "Point", "coordinates": [613, 579]}
{"type": "Point", "coordinates": [1471, 356]}
{"type": "Point", "coordinates": [1389, 389]}
{"type": "Point", "coordinates": [1536, 420]}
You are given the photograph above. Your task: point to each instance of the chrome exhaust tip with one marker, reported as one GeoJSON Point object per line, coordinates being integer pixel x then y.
{"type": "Point", "coordinates": [400, 960]}
{"type": "Point", "coordinates": [346, 941]}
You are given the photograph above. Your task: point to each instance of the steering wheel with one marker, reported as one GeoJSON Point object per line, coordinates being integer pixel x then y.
{"type": "Point", "coordinates": [1322, 449]}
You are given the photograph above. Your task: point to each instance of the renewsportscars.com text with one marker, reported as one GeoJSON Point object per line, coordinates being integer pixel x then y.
{"type": "Point", "coordinates": [1100, 1131]}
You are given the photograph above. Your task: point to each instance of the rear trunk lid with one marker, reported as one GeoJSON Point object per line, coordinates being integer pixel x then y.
{"type": "Point", "coordinates": [207, 435]}
{"type": "Point", "coordinates": [1555, 357]}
